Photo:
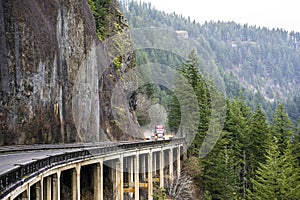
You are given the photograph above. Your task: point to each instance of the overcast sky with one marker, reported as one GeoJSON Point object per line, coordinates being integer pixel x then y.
{"type": "Point", "coordinates": [269, 13]}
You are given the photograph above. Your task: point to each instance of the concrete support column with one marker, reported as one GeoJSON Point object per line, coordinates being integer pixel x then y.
{"type": "Point", "coordinates": [119, 179]}
{"type": "Point", "coordinates": [120, 175]}
{"type": "Point", "coordinates": [28, 192]}
{"type": "Point", "coordinates": [56, 186]}
{"type": "Point", "coordinates": [178, 162]}
{"type": "Point", "coordinates": [143, 167]}
{"type": "Point", "coordinates": [98, 181]}
{"type": "Point", "coordinates": [150, 175]}
{"type": "Point", "coordinates": [130, 162]}
{"type": "Point", "coordinates": [171, 163]}
{"type": "Point", "coordinates": [49, 188]}
{"type": "Point", "coordinates": [184, 155]}
{"type": "Point", "coordinates": [42, 188]}
{"type": "Point", "coordinates": [136, 177]}
{"type": "Point", "coordinates": [101, 181]}
{"type": "Point", "coordinates": [26, 195]}
{"type": "Point", "coordinates": [154, 163]}
{"type": "Point", "coordinates": [161, 168]}
{"type": "Point", "coordinates": [114, 179]}
{"type": "Point", "coordinates": [76, 183]}
{"type": "Point", "coordinates": [38, 190]}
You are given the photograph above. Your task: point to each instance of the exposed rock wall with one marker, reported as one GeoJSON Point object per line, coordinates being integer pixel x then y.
{"type": "Point", "coordinates": [52, 87]}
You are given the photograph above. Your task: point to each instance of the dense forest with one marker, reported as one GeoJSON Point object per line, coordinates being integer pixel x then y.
{"type": "Point", "coordinates": [258, 153]}
{"type": "Point", "coordinates": [253, 159]}
{"type": "Point", "coordinates": [261, 63]}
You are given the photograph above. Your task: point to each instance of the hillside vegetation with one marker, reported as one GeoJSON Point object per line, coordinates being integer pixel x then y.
{"type": "Point", "coordinates": [257, 155]}
{"type": "Point", "coordinates": [261, 63]}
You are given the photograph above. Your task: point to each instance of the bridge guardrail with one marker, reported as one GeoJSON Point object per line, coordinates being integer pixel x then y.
{"type": "Point", "coordinates": [21, 173]}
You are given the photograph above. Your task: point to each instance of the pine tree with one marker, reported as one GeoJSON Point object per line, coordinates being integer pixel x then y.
{"type": "Point", "coordinates": [220, 178]}
{"type": "Point", "coordinates": [191, 73]}
{"type": "Point", "coordinates": [183, 107]}
{"type": "Point", "coordinates": [174, 113]}
{"type": "Point", "coordinates": [282, 127]}
{"type": "Point", "coordinates": [190, 70]}
{"type": "Point", "coordinates": [257, 141]}
{"type": "Point", "coordinates": [223, 168]}
{"type": "Point", "coordinates": [296, 142]}
{"type": "Point", "coordinates": [277, 178]}
{"type": "Point", "coordinates": [237, 124]}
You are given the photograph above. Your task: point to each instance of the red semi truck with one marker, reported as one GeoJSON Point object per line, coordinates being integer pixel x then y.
{"type": "Point", "coordinates": [159, 132]}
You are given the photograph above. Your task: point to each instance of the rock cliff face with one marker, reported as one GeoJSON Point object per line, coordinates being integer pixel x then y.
{"type": "Point", "coordinates": [54, 86]}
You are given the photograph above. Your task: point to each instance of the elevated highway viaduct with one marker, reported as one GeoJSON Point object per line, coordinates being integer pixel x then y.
{"type": "Point", "coordinates": [122, 170]}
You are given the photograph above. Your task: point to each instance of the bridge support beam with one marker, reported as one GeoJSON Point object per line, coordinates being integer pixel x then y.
{"type": "Point", "coordinates": [26, 194]}
{"type": "Point", "coordinates": [161, 168]}
{"type": "Point", "coordinates": [42, 188]}
{"type": "Point", "coordinates": [136, 177]}
{"type": "Point", "coordinates": [38, 190]}
{"type": "Point", "coordinates": [143, 167]}
{"type": "Point", "coordinates": [56, 186]}
{"type": "Point", "coordinates": [178, 162]}
{"type": "Point", "coordinates": [171, 163]}
{"type": "Point", "coordinates": [120, 177]}
{"type": "Point", "coordinates": [76, 183]}
{"type": "Point", "coordinates": [130, 175]}
{"type": "Point", "coordinates": [114, 178]}
{"type": "Point", "coordinates": [150, 176]}
{"type": "Point", "coordinates": [154, 163]}
{"type": "Point", "coordinates": [130, 163]}
{"type": "Point", "coordinates": [49, 187]}
{"type": "Point", "coordinates": [117, 178]}
{"type": "Point", "coordinates": [98, 181]}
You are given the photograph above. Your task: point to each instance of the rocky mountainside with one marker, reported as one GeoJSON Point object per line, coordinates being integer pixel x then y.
{"type": "Point", "coordinates": [56, 78]}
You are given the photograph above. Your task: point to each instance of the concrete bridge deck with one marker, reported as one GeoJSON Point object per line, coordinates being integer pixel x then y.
{"type": "Point", "coordinates": [38, 173]}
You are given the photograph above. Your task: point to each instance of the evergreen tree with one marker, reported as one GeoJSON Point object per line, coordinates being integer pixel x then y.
{"type": "Point", "coordinates": [220, 178]}
{"type": "Point", "coordinates": [183, 108]}
{"type": "Point", "coordinates": [277, 178]}
{"type": "Point", "coordinates": [224, 170]}
{"type": "Point", "coordinates": [256, 142]}
{"type": "Point", "coordinates": [191, 73]}
{"type": "Point", "coordinates": [282, 127]}
{"type": "Point", "coordinates": [174, 113]}
{"type": "Point", "coordinates": [237, 124]}
{"type": "Point", "coordinates": [296, 142]}
{"type": "Point", "coordinates": [190, 70]}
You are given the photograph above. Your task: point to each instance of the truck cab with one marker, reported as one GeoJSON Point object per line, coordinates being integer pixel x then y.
{"type": "Point", "coordinates": [159, 132]}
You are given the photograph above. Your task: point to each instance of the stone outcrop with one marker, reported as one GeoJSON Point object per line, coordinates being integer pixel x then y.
{"type": "Point", "coordinates": [56, 82]}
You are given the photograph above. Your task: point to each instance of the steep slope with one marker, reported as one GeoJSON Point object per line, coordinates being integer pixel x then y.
{"type": "Point", "coordinates": [54, 74]}
{"type": "Point", "coordinates": [264, 64]}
